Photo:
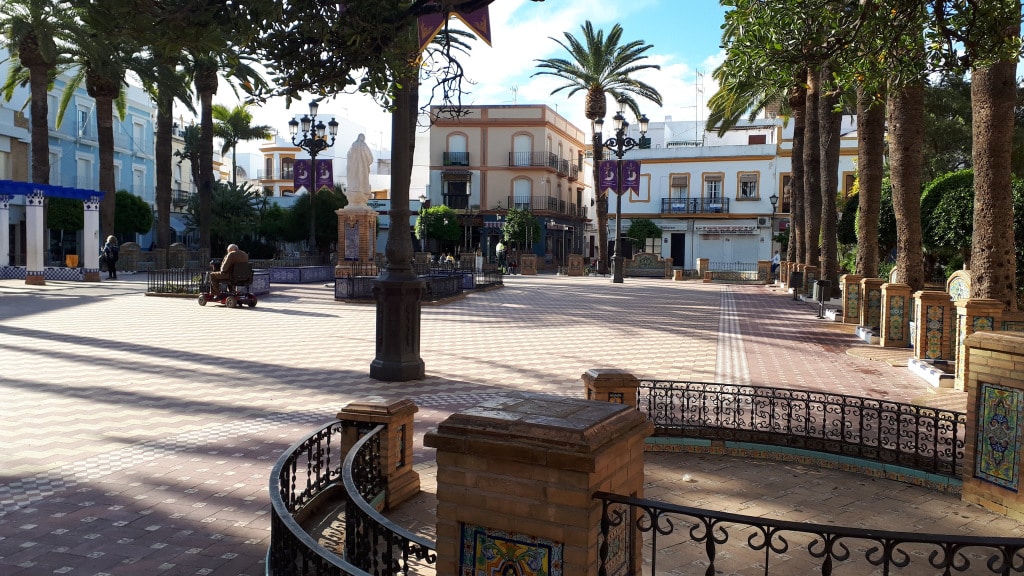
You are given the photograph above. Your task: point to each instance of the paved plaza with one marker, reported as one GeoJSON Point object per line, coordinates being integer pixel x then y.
{"type": "Point", "coordinates": [138, 432]}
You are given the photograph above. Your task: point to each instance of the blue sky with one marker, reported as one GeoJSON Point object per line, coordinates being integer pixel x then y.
{"type": "Point", "coordinates": [685, 35]}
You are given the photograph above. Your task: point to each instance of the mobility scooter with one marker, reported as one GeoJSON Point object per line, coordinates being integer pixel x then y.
{"type": "Point", "coordinates": [236, 294]}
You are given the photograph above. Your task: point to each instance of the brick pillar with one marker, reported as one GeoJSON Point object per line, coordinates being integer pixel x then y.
{"type": "Point", "coordinates": [357, 242]}
{"type": "Point", "coordinates": [933, 312]}
{"type": "Point", "coordinates": [810, 275]}
{"type": "Point", "coordinates": [528, 264]}
{"type": "Point", "coordinates": [611, 385]}
{"type": "Point", "coordinates": [702, 266]}
{"type": "Point", "coordinates": [895, 316]}
{"type": "Point", "coordinates": [973, 315]}
{"type": "Point", "coordinates": [519, 473]}
{"type": "Point", "coordinates": [995, 394]}
{"type": "Point", "coordinates": [871, 303]}
{"type": "Point", "coordinates": [764, 271]}
{"type": "Point", "coordinates": [850, 286]}
{"type": "Point", "coordinates": [396, 445]}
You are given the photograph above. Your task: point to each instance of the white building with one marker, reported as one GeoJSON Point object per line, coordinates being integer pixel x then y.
{"type": "Point", "coordinates": [711, 195]}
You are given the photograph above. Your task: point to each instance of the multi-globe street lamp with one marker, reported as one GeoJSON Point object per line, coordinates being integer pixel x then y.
{"type": "Point", "coordinates": [312, 139]}
{"type": "Point", "coordinates": [619, 145]}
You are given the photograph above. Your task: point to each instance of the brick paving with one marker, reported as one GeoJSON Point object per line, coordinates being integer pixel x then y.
{"type": "Point", "coordinates": [138, 432]}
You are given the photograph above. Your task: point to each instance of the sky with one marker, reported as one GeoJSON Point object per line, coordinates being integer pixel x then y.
{"type": "Point", "coordinates": [684, 35]}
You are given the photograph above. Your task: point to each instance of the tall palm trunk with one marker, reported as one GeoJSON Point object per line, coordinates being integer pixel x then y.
{"type": "Point", "coordinates": [870, 148]}
{"type": "Point", "coordinates": [206, 86]}
{"type": "Point", "coordinates": [38, 73]}
{"type": "Point", "coordinates": [830, 122]}
{"type": "Point", "coordinates": [812, 171]}
{"type": "Point", "coordinates": [798, 103]}
{"type": "Point", "coordinates": [105, 91]}
{"type": "Point", "coordinates": [993, 264]}
{"type": "Point", "coordinates": [906, 127]}
{"type": "Point", "coordinates": [164, 169]}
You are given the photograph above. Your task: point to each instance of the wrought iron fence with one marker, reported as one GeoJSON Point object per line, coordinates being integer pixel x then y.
{"type": "Point", "coordinates": [174, 281]}
{"type": "Point", "coordinates": [917, 437]}
{"type": "Point", "coordinates": [768, 546]}
{"type": "Point", "coordinates": [313, 470]}
{"type": "Point", "coordinates": [732, 266]}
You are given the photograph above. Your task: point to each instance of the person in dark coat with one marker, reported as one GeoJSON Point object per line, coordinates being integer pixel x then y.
{"type": "Point", "coordinates": [110, 253]}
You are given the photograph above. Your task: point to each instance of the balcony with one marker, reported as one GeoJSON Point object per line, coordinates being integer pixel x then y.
{"type": "Point", "coordinates": [286, 174]}
{"type": "Point", "coordinates": [547, 205]}
{"type": "Point", "coordinates": [179, 198]}
{"type": "Point", "coordinates": [540, 159]}
{"type": "Point", "coordinates": [694, 205]}
{"type": "Point", "coordinates": [574, 173]}
{"type": "Point", "coordinates": [455, 158]}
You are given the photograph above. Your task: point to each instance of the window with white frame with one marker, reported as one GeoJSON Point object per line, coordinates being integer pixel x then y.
{"type": "Point", "coordinates": [84, 174]}
{"type": "Point", "coordinates": [85, 124]}
{"type": "Point", "coordinates": [652, 245]}
{"type": "Point", "coordinates": [748, 186]}
{"type": "Point", "coordinates": [55, 168]}
{"type": "Point", "coordinates": [713, 186]}
{"type": "Point", "coordinates": [679, 186]}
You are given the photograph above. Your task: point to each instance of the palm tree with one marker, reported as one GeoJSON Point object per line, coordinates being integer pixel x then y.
{"type": "Point", "coordinates": [601, 66]}
{"type": "Point", "coordinates": [36, 32]}
{"type": "Point", "coordinates": [233, 126]}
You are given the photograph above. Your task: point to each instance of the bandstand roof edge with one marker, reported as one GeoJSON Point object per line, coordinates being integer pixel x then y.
{"type": "Point", "coordinates": [16, 188]}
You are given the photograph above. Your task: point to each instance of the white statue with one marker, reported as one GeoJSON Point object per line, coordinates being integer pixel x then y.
{"type": "Point", "coordinates": [358, 174]}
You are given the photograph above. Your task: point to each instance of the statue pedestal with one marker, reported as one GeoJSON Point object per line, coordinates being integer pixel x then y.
{"type": "Point", "coordinates": [357, 242]}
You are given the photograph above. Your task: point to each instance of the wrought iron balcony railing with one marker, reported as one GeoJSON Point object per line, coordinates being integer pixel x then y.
{"type": "Point", "coordinates": [694, 205]}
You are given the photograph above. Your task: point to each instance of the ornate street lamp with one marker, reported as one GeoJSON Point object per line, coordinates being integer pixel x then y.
{"type": "Point", "coordinates": [774, 199]}
{"type": "Point", "coordinates": [424, 204]}
{"type": "Point", "coordinates": [313, 140]}
{"type": "Point", "coordinates": [619, 145]}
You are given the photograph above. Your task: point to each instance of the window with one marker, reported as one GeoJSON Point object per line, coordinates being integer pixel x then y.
{"type": "Point", "coordinates": [177, 173]}
{"type": "Point", "coordinates": [748, 186]}
{"type": "Point", "coordinates": [84, 173]}
{"type": "Point", "coordinates": [55, 168]}
{"type": "Point", "coordinates": [287, 169]}
{"type": "Point", "coordinates": [652, 245]}
{"type": "Point", "coordinates": [713, 186]}
{"type": "Point", "coordinates": [458, 153]}
{"type": "Point", "coordinates": [522, 190]}
{"type": "Point", "coordinates": [268, 164]}
{"type": "Point", "coordinates": [757, 139]}
{"type": "Point", "coordinates": [849, 180]}
{"type": "Point", "coordinates": [85, 124]}
{"type": "Point", "coordinates": [679, 186]}
{"type": "Point", "coordinates": [139, 136]}
{"type": "Point", "coordinates": [522, 145]}
{"type": "Point", "coordinates": [138, 182]}
{"type": "Point", "coordinates": [785, 192]}
{"type": "Point", "coordinates": [456, 195]}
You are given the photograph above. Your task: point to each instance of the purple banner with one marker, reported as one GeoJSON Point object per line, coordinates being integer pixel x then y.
{"type": "Point", "coordinates": [303, 175]}
{"type": "Point", "coordinates": [609, 171]}
{"type": "Point", "coordinates": [631, 176]}
{"type": "Point", "coordinates": [324, 173]}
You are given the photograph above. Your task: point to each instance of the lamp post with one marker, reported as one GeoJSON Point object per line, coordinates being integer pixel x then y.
{"type": "Point", "coordinates": [619, 145]}
{"type": "Point", "coordinates": [424, 204]}
{"type": "Point", "coordinates": [313, 140]}
{"type": "Point", "coordinates": [774, 199]}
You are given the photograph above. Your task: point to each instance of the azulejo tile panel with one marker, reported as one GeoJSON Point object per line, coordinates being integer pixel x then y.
{"type": "Point", "coordinates": [852, 297]}
{"type": "Point", "coordinates": [999, 418]}
{"type": "Point", "coordinates": [490, 552]}
{"type": "Point", "coordinates": [896, 310]}
{"type": "Point", "coordinates": [874, 307]}
{"type": "Point", "coordinates": [934, 323]}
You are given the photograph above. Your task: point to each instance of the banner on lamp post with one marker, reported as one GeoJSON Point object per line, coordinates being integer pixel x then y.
{"type": "Point", "coordinates": [303, 174]}
{"type": "Point", "coordinates": [631, 176]}
{"type": "Point", "coordinates": [324, 174]}
{"type": "Point", "coordinates": [609, 173]}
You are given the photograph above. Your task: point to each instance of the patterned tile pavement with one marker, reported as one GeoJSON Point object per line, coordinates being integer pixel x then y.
{"type": "Point", "coordinates": [138, 432]}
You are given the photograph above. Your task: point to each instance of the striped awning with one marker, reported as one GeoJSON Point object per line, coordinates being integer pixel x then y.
{"type": "Point", "coordinates": [456, 175]}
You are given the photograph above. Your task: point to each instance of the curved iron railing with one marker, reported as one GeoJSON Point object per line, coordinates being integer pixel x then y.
{"type": "Point", "coordinates": [372, 542]}
{"type": "Point", "coordinates": [917, 437]}
{"type": "Point", "coordinates": [312, 470]}
{"type": "Point", "coordinates": [626, 522]}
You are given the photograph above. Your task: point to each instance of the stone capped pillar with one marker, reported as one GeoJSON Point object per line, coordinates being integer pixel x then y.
{"type": "Point", "coordinates": [895, 315]}
{"type": "Point", "coordinates": [357, 242]}
{"type": "Point", "coordinates": [871, 303]}
{"type": "Point", "coordinates": [849, 284]}
{"type": "Point", "coordinates": [784, 273]}
{"type": "Point", "coordinates": [810, 275]}
{"type": "Point", "coordinates": [396, 445]}
{"type": "Point", "coordinates": [91, 240]}
{"type": "Point", "coordinates": [702, 266]}
{"type": "Point", "coordinates": [575, 265]}
{"type": "Point", "coordinates": [973, 315]}
{"type": "Point", "coordinates": [528, 264]}
{"type": "Point", "coordinates": [934, 313]}
{"type": "Point", "coordinates": [994, 443]}
{"type": "Point", "coordinates": [764, 271]}
{"type": "Point", "coordinates": [128, 257]}
{"type": "Point", "coordinates": [35, 242]}
{"type": "Point", "coordinates": [518, 474]}
{"type": "Point", "coordinates": [611, 385]}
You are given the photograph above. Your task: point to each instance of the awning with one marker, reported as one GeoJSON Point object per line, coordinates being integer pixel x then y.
{"type": "Point", "coordinates": [17, 188]}
{"type": "Point", "coordinates": [456, 175]}
{"type": "Point", "coordinates": [178, 224]}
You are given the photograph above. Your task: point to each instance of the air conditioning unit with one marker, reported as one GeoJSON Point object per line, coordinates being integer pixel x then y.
{"type": "Point", "coordinates": [763, 221]}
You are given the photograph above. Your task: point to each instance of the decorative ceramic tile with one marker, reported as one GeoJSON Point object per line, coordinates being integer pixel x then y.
{"type": "Point", "coordinates": [1011, 326]}
{"type": "Point", "coordinates": [933, 326]}
{"type": "Point", "coordinates": [959, 289]}
{"type": "Point", "coordinates": [874, 307]}
{"type": "Point", "coordinates": [999, 418]}
{"type": "Point", "coordinates": [896, 320]}
{"type": "Point", "coordinates": [489, 552]}
{"type": "Point", "coordinates": [853, 297]}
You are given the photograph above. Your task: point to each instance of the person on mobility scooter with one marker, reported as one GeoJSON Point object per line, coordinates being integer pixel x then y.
{"type": "Point", "coordinates": [236, 272]}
